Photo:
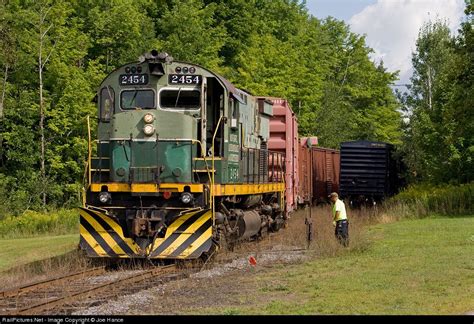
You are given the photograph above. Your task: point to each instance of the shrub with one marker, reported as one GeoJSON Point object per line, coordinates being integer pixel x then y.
{"type": "Point", "coordinates": [31, 223]}
{"type": "Point", "coordinates": [423, 200]}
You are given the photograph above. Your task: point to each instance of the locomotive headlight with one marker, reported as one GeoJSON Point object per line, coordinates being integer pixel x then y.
{"type": "Point", "coordinates": [105, 197]}
{"type": "Point", "coordinates": [149, 129]}
{"type": "Point", "coordinates": [186, 197]}
{"type": "Point", "coordinates": [148, 118]}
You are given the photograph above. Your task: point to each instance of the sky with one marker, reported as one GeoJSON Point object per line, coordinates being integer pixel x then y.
{"type": "Point", "coordinates": [391, 26]}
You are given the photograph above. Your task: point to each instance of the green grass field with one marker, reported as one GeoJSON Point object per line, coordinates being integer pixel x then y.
{"type": "Point", "coordinates": [423, 266]}
{"type": "Point", "coordinates": [17, 252]}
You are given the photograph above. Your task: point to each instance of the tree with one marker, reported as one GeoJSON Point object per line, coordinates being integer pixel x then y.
{"type": "Point", "coordinates": [57, 52]}
{"type": "Point", "coordinates": [461, 101]}
{"type": "Point", "coordinates": [187, 30]}
{"type": "Point", "coordinates": [439, 134]}
{"type": "Point", "coordinates": [120, 32]}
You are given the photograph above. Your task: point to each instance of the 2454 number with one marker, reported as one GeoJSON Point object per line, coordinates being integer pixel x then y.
{"type": "Point", "coordinates": [184, 79]}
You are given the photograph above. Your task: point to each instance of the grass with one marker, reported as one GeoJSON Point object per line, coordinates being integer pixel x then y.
{"type": "Point", "coordinates": [17, 252]}
{"type": "Point", "coordinates": [421, 266]}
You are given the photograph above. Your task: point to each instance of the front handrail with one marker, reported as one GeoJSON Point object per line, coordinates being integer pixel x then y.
{"type": "Point", "coordinates": [89, 156]}
{"type": "Point", "coordinates": [213, 168]}
{"type": "Point", "coordinates": [203, 155]}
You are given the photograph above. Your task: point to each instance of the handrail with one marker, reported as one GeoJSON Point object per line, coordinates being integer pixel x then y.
{"type": "Point", "coordinates": [84, 190]}
{"type": "Point", "coordinates": [89, 157]}
{"type": "Point", "coordinates": [213, 168]}
{"type": "Point", "coordinates": [203, 155]}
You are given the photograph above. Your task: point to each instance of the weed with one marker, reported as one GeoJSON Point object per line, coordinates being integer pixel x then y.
{"type": "Point", "coordinates": [31, 223]}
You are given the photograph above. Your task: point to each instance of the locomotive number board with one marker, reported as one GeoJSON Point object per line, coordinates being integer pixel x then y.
{"type": "Point", "coordinates": [184, 79]}
{"type": "Point", "coordinates": [133, 79]}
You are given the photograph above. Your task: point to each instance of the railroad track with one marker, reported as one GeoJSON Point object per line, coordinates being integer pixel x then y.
{"type": "Point", "coordinates": [66, 294]}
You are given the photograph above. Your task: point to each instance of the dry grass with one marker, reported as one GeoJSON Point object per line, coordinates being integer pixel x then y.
{"type": "Point", "coordinates": [73, 261]}
{"type": "Point", "coordinates": [324, 243]}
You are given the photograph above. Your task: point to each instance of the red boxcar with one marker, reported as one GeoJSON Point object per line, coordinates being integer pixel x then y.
{"type": "Point", "coordinates": [284, 138]}
{"type": "Point", "coordinates": [326, 166]}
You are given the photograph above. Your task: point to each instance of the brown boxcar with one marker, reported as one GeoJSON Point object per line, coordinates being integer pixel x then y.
{"type": "Point", "coordinates": [284, 138]}
{"type": "Point", "coordinates": [326, 166]}
{"type": "Point", "coordinates": [305, 172]}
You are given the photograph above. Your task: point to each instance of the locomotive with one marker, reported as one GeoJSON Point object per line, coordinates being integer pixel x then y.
{"type": "Point", "coordinates": [180, 165]}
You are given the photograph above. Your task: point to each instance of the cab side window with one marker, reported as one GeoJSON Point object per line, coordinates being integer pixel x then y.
{"type": "Point", "coordinates": [107, 104]}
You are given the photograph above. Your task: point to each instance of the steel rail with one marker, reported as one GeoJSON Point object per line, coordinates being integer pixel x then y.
{"type": "Point", "coordinates": [44, 283]}
{"type": "Point", "coordinates": [90, 291]}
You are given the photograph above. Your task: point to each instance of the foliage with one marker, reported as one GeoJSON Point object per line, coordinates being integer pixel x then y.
{"type": "Point", "coordinates": [188, 31]}
{"type": "Point", "coordinates": [268, 47]}
{"type": "Point", "coordinates": [424, 199]}
{"type": "Point", "coordinates": [439, 137]}
{"type": "Point", "coordinates": [33, 223]}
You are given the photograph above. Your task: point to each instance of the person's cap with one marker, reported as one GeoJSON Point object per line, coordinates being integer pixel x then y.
{"type": "Point", "coordinates": [333, 194]}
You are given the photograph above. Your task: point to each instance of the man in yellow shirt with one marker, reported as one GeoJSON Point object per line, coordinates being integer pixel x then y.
{"type": "Point", "coordinates": [340, 219]}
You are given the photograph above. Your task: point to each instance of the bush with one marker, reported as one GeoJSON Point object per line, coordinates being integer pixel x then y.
{"type": "Point", "coordinates": [423, 200]}
{"type": "Point", "coordinates": [31, 223]}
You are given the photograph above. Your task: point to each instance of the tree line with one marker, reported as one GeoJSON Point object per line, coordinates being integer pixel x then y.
{"type": "Point", "coordinates": [56, 52]}
{"type": "Point", "coordinates": [438, 133]}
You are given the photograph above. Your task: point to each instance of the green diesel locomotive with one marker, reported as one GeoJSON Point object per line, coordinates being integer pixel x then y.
{"type": "Point", "coordinates": [180, 165]}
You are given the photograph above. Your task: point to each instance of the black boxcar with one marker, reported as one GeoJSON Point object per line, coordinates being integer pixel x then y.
{"type": "Point", "coordinates": [368, 171]}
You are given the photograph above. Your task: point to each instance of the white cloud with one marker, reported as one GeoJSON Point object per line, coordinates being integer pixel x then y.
{"type": "Point", "coordinates": [392, 28]}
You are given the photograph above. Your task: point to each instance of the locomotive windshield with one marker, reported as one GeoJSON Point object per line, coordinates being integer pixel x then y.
{"type": "Point", "coordinates": [180, 99]}
{"type": "Point", "coordinates": [132, 99]}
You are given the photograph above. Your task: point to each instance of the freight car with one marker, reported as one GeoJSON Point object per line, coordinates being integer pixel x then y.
{"type": "Point", "coordinates": [369, 172]}
{"type": "Point", "coordinates": [318, 172]}
{"type": "Point", "coordinates": [284, 139]}
{"type": "Point", "coordinates": [326, 167]}
{"type": "Point", "coordinates": [183, 163]}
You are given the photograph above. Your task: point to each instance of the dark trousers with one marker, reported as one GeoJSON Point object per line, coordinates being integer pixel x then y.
{"type": "Point", "coordinates": [342, 232]}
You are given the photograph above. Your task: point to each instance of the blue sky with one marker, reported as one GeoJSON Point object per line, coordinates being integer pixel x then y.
{"type": "Point", "coordinates": [340, 9]}
{"type": "Point", "coordinates": [391, 26]}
